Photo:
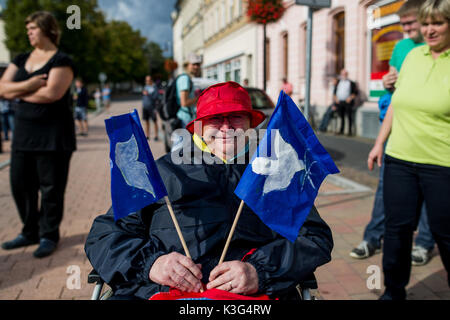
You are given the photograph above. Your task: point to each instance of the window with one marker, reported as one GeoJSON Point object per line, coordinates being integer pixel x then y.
{"type": "Point", "coordinates": [339, 41]}
{"type": "Point", "coordinates": [285, 57]}
{"type": "Point", "coordinates": [228, 71]}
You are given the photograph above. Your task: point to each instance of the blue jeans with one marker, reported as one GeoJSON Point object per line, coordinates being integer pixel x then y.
{"type": "Point", "coordinates": [326, 118]}
{"type": "Point", "coordinates": [7, 123]}
{"type": "Point", "coordinates": [374, 231]}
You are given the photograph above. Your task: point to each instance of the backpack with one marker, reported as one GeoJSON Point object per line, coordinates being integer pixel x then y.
{"type": "Point", "coordinates": [170, 105]}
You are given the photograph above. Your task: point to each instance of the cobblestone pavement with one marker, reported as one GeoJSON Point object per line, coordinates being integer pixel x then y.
{"type": "Point", "coordinates": [345, 208]}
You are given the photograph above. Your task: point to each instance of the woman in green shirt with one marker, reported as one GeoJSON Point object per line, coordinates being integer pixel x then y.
{"type": "Point", "coordinates": [417, 162]}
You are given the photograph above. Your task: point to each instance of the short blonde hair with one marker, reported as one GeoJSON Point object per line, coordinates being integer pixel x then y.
{"type": "Point", "coordinates": [434, 8]}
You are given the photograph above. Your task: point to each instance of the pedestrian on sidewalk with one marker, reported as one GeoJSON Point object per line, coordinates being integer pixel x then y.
{"type": "Point", "coordinates": [81, 107]}
{"type": "Point", "coordinates": [106, 96]}
{"type": "Point", "coordinates": [287, 87]}
{"type": "Point", "coordinates": [98, 99]}
{"type": "Point", "coordinates": [331, 111]}
{"type": "Point", "coordinates": [186, 97]}
{"type": "Point", "coordinates": [150, 99]}
{"type": "Point", "coordinates": [417, 156]}
{"type": "Point", "coordinates": [7, 119]}
{"type": "Point", "coordinates": [374, 231]}
{"type": "Point", "coordinates": [344, 96]}
{"type": "Point", "coordinates": [44, 136]}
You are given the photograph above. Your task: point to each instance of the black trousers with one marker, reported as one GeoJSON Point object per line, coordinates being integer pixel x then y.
{"type": "Point", "coordinates": [345, 110]}
{"type": "Point", "coordinates": [406, 186]}
{"type": "Point", "coordinates": [47, 172]}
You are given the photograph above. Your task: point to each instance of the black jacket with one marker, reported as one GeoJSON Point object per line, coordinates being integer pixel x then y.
{"type": "Point", "coordinates": [202, 196]}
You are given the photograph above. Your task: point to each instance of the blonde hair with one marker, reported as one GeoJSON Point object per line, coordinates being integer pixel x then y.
{"type": "Point", "coordinates": [433, 9]}
{"type": "Point", "coordinates": [47, 23]}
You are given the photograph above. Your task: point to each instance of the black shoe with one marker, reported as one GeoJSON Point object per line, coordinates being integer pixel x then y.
{"type": "Point", "coordinates": [19, 242]}
{"type": "Point", "coordinates": [46, 248]}
{"type": "Point", "coordinates": [389, 295]}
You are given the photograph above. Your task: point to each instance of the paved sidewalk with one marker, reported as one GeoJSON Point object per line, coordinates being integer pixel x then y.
{"type": "Point", "coordinates": [344, 205]}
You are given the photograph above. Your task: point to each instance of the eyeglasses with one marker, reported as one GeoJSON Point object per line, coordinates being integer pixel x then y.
{"type": "Point", "coordinates": [407, 23]}
{"type": "Point", "coordinates": [233, 119]}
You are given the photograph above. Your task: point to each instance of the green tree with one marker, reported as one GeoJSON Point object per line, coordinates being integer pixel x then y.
{"type": "Point", "coordinates": [124, 57]}
{"type": "Point", "coordinates": [156, 60]}
{"type": "Point", "coordinates": [98, 46]}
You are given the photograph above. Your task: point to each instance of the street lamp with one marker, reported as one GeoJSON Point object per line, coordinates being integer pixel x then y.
{"type": "Point", "coordinates": [312, 5]}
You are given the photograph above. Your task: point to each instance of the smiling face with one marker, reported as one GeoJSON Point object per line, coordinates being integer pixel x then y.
{"type": "Point", "coordinates": [436, 33]}
{"type": "Point", "coordinates": [194, 69]}
{"type": "Point", "coordinates": [222, 132]}
{"type": "Point", "coordinates": [411, 27]}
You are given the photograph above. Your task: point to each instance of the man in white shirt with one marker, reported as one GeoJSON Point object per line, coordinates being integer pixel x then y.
{"type": "Point", "coordinates": [344, 96]}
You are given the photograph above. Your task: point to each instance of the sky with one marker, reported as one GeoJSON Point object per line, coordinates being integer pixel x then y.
{"type": "Point", "coordinates": [150, 17]}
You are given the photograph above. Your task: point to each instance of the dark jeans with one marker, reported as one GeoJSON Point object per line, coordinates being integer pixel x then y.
{"type": "Point", "coordinates": [406, 186]}
{"type": "Point", "coordinates": [326, 118]}
{"type": "Point", "coordinates": [374, 231]}
{"type": "Point", "coordinates": [346, 109]}
{"type": "Point", "coordinates": [46, 171]}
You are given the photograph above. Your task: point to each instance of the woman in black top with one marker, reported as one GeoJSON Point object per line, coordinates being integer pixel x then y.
{"type": "Point", "coordinates": [44, 136]}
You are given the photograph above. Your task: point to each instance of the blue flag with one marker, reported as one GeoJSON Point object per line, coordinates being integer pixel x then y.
{"type": "Point", "coordinates": [135, 180]}
{"type": "Point", "coordinates": [283, 178]}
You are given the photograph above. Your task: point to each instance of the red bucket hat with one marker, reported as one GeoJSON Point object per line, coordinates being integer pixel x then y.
{"type": "Point", "coordinates": [222, 98]}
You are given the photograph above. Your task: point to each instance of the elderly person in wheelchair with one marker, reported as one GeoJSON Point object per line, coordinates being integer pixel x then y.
{"type": "Point", "coordinates": [141, 254]}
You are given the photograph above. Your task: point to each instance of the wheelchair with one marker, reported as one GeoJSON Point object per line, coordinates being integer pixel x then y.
{"type": "Point", "coordinates": [303, 288]}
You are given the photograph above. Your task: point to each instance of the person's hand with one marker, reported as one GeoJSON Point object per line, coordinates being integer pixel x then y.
{"type": "Point", "coordinates": [37, 82]}
{"type": "Point", "coordinates": [389, 79]}
{"type": "Point", "coordinates": [177, 271]}
{"type": "Point", "coordinates": [234, 276]}
{"type": "Point", "coordinates": [349, 100]}
{"type": "Point", "coordinates": [376, 154]}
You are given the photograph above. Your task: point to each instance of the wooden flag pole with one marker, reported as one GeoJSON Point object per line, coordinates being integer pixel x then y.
{"type": "Point", "coordinates": [230, 235]}
{"type": "Point", "coordinates": [175, 222]}
{"type": "Point", "coordinates": [180, 235]}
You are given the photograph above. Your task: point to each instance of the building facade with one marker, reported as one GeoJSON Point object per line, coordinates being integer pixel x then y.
{"type": "Point", "coordinates": [357, 35]}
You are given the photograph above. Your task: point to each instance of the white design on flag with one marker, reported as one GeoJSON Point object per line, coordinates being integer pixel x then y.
{"type": "Point", "coordinates": [133, 171]}
{"type": "Point", "coordinates": [281, 170]}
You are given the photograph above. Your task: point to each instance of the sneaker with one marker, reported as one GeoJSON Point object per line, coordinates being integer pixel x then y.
{"type": "Point", "coordinates": [19, 242]}
{"type": "Point", "coordinates": [420, 256]}
{"type": "Point", "coordinates": [364, 250]}
{"type": "Point", "coordinates": [46, 248]}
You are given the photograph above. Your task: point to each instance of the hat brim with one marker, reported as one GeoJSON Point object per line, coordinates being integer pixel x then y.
{"type": "Point", "coordinates": [256, 117]}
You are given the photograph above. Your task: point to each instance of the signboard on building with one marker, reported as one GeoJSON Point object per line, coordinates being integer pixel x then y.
{"type": "Point", "coordinates": [384, 32]}
{"type": "Point", "coordinates": [314, 3]}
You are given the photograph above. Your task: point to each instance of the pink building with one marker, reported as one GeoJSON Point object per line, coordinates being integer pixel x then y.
{"type": "Point", "coordinates": [357, 35]}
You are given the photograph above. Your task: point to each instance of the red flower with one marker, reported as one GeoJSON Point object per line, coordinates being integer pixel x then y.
{"type": "Point", "coordinates": [265, 11]}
